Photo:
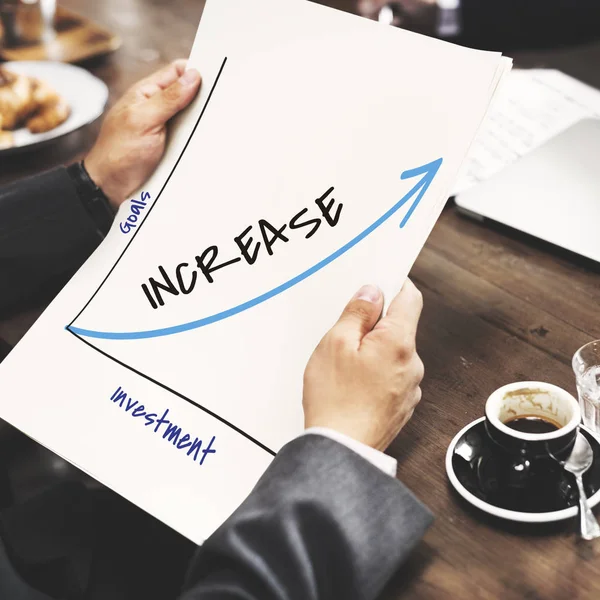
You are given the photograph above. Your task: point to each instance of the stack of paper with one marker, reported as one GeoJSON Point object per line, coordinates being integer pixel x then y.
{"type": "Point", "coordinates": [316, 158]}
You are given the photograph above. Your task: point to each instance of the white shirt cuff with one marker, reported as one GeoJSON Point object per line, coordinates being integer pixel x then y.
{"type": "Point", "coordinates": [382, 461]}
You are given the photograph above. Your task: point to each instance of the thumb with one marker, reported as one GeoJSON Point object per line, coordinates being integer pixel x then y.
{"type": "Point", "coordinates": [361, 314]}
{"type": "Point", "coordinates": [166, 103]}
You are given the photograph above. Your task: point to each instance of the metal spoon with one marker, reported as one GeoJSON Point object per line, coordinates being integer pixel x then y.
{"type": "Point", "coordinates": [578, 463]}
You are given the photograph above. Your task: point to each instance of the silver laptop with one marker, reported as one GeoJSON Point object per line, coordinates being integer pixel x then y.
{"type": "Point", "coordinates": [553, 193]}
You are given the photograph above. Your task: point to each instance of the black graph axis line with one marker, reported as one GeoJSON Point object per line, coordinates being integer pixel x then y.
{"type": "Point", "coordinates": [176, 393]}
{"type": "Point", "coordinates": [159, 193]}
{"type": "Point", "coordinates": [128, 367]}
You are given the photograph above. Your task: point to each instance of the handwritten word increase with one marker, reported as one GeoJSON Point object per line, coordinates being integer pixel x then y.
{"type": "Point", "coordinates": [172, 432]}
{"type": "Point", "coordinates": [136, 207]}
{"type": "Point", "coordinates": [184, 278]}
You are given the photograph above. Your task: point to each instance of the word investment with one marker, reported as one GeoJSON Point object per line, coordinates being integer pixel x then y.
{"type": "Point", "coordinates": [172, 433]}
{"type": "Point", "coordinates": [185, 277]}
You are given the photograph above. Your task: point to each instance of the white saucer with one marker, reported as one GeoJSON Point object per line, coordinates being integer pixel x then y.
{"type": "Point", "coordinates": [511, 515]}
{"type": "Point", "coordinates": [86, 95]}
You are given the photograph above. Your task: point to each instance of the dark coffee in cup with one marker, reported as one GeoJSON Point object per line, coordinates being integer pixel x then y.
{"type": "Point", "coordinates": [532, 419]}
{"type": "Point", "coordinates": [532, 424]}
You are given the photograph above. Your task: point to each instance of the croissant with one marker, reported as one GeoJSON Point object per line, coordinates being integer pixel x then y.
{"type": "Point", "coordinates": [16, 98]}
{"type": "Point", "coordinates": [43, 94]}
{"type": "Point", "coordinates": [48, 117]}
{"type": "Point", "coordinates": [29, 101]}
{"type": "Point", "coordinates": [6, 137]}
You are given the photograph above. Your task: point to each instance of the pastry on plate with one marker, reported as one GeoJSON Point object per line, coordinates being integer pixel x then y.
{"type": "Point", "coordinates": [43, 94]}
{"type": "Point", "coordinates": [16, 98]}
{"type": "Point", "coordinates": [48, 117]}
{"type": "Point", "coordinates": [27, 101]}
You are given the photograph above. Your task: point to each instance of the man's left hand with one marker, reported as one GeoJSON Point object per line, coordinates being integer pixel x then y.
{"type": "Point", "coordinates": [132, 138]}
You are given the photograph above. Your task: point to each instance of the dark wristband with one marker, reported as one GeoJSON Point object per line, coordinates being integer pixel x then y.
{"type": "Point", "coordinates": [92, 197]}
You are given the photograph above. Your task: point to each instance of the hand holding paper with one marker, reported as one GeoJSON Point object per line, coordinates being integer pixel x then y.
{"type": "Point", "coordinates": [206, 312]}
{"type": "Point", "coordinates": [132, 138]}
{"type": "Point", "coordinates": [363, 378]}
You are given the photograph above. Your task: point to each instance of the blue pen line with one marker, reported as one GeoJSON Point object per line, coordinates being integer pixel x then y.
{"type": "Point", "coordinates": [428, 171]}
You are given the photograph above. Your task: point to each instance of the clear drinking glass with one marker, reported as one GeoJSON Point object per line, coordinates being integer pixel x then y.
{"type": "Point", "coordinates": [586, 364]}
{"type": "Point", "coordinates": [27, 21]}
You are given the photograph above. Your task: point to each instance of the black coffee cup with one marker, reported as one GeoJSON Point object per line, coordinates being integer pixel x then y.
{"type": "Point", "coordinates": [524, 471]}
{"type": "Point", "coordinates": [532, 400]}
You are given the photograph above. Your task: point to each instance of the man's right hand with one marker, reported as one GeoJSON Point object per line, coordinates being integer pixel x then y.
{"type": "Point", "coordinates": [363, 378]}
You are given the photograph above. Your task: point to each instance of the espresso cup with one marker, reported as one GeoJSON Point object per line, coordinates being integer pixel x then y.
{"type": "Point", "coordinates": [535, 405]}
{"type": "Point", "coordinates": [521, 470]}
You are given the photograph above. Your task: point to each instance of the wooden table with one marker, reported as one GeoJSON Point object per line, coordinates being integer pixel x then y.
{"type": "Point", "coordinates": [499, 307]}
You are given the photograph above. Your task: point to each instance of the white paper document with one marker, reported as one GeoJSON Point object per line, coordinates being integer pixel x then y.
{"type": "Point", "coordinates": [316, 158]}
{"type": "Point", "coordinates": [531, 107]}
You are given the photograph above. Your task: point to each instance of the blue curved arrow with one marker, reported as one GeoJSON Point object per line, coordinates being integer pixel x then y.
{"type": "Point", "coordinates": [428, 172]}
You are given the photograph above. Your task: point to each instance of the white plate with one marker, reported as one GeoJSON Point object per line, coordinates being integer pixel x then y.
{"type": "Point", "coordinates": [86, 95]}
{"type": "Point", "coordinates": [503, 513]}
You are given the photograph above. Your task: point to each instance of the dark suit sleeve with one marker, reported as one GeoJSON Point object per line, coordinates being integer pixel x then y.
{"type": "Point", "coordinates": [46, 234]}
{"type": "Point", "coordinates": [322, 523]}
{"type": "Point", "coordinates": [515, 24]}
